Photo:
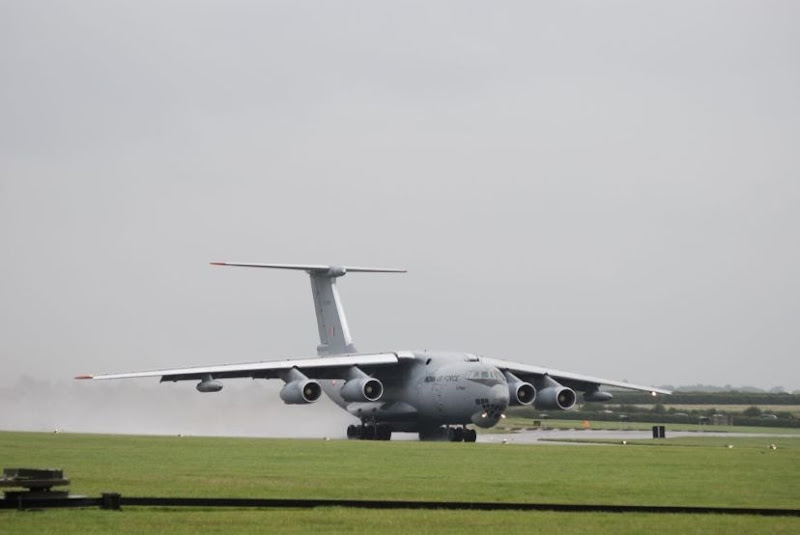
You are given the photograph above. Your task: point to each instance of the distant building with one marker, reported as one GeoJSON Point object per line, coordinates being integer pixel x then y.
{"type": "Point", "coordinates": [721, 419]}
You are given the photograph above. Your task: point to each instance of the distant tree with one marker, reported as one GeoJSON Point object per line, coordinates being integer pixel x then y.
{"type": "Point", "coordinates": [752, 412]}
{"type": "Point", "coordinates": [658, 408]}
{"type": "Point", "coordinates": [777, 390]}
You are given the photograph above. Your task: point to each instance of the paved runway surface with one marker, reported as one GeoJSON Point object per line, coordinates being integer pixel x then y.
{"type": "Point", "coordinates": [532, 437]}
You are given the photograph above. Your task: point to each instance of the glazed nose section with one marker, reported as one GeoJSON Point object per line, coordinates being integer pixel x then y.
{"type": "Point", "coordinates": [492, 406]}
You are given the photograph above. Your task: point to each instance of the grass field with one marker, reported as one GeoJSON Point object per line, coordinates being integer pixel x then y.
{"type": "Point", "coordinates": [707, 473]}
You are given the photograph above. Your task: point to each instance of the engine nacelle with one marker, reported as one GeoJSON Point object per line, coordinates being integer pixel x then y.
{"type": "Point", "coordinates": [209, 385]}
{"type": "Point", "coordinates": [556, 397]}
{"type": "Point", "coordinates": [301, 391]}
{"type": "Point", "coordinates": [597, 395]}
{"type": "Point", "coordinates": [362, 389]}
{"type": "Point", "coordinates": [521, 393]}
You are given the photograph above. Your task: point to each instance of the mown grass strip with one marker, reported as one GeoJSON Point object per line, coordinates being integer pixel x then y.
{"type": "Point", "coordinates": [315, 469]}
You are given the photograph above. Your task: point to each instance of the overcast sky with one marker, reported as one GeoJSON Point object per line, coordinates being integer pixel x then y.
{"type": "Point", "coordinates": [609, 188]}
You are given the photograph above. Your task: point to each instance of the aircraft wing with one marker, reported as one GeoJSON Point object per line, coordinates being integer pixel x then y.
{"type": "Point", "coordinates": [575, 381]}
{"type": "Point", "coordinates": [315, 368]}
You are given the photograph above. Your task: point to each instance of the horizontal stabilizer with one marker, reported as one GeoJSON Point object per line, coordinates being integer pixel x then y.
{"type": "Point", "coordinates": [334, 334]}
{"type": "Point", "coordinates": [337, 271]}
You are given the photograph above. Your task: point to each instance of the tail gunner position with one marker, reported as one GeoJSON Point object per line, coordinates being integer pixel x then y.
{"type": "Point", "coordinates": [432, 393]}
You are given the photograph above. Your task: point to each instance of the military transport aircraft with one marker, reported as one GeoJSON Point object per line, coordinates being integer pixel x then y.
{"type": "Point", "coordinates": [433, 393]}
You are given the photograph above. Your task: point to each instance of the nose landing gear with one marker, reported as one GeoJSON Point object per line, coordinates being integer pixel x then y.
{"type": "Point", "coordinates": [467, 435]}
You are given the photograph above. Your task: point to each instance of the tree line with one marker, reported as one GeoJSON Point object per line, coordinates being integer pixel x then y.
{"type": "Point", "coordinates": [708, 398]}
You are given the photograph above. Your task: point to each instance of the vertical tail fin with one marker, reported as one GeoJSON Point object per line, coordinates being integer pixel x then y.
{"type": "Point", "coordinates": [334, 334]}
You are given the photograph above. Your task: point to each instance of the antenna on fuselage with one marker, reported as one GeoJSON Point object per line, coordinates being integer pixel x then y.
{"type": "Point", "coordinates": [334, 334]}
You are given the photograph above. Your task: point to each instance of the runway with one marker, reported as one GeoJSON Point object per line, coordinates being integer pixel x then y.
{"type": "Point", "coordinates": [567, 435]}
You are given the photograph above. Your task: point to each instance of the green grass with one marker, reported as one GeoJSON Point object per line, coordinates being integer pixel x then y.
{"type": "Point", "coordinates": [706, 474]}
{"type": "Point", "coordinates": [339, 520]}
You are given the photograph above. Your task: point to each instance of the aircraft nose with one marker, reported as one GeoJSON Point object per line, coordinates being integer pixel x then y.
{"type": "Point", "coordinates": [499, 396]}
{"type": "Point", "coordinates": [492, 409]}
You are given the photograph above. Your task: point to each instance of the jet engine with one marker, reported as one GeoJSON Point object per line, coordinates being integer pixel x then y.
{"type": "Point", "coordinates": [519, 392]}
{"type": "Point", "coordinates": [555, 397]}
{"type": "Point", "coordinates": [362, 389]}
{"type": "Point", "coordinates": [301, 391]}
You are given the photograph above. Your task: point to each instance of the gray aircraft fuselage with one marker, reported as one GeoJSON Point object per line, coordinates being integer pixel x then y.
{"type": "Point", "coordinates": [433, 389]}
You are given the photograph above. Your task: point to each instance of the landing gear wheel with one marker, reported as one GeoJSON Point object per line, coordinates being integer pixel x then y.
{"type": "Point", "coordinates": [455, 434]}
{"type": "Point", "coordinates": [352, 432]}
{"type": "Point", "coordinates": [470, 435]}
{"type": "Point", "coordinates": [369, 432]}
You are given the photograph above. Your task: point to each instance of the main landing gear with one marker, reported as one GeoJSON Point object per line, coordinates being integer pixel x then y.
{"type": "Point", "coordinates": [453, 434]}
{"type": "Point", "coordinates": [369, 432]}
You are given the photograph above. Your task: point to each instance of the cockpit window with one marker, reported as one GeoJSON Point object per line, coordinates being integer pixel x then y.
{"type": "Point", "coordinates": [485, 376]}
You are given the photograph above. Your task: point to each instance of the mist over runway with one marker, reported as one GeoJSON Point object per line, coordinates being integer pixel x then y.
{"type": "Point", "coordinates": [242, 409]}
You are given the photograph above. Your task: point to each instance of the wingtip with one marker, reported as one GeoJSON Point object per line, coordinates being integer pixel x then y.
{"type": "Point", "coordinates": [84, 377]}
{"type": "Point", "coordinates": [217, 263]}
